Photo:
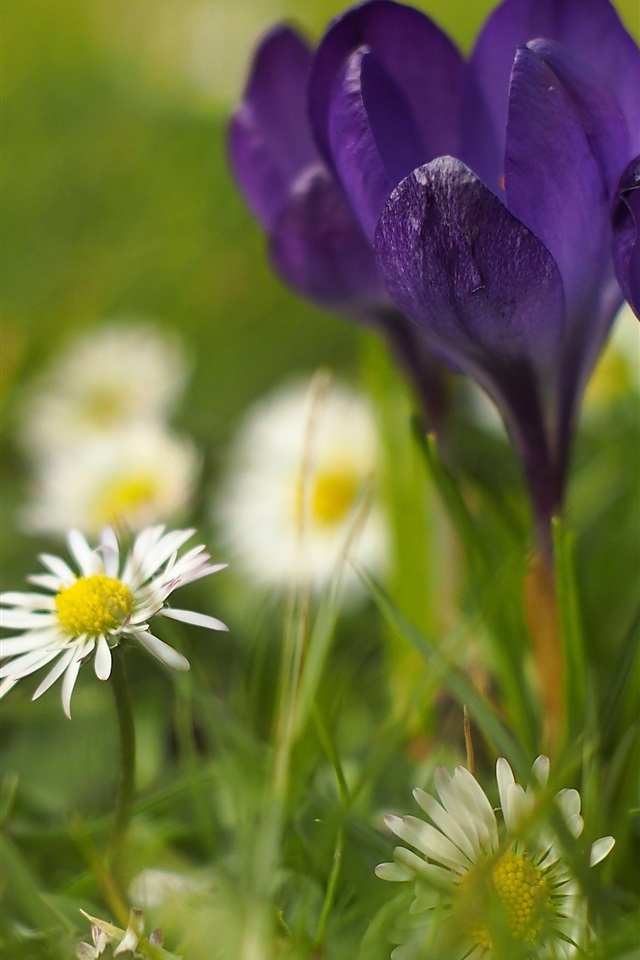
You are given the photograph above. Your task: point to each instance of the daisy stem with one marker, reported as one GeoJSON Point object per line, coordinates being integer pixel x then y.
{"type": "Point", "coordinates": [124, 795]}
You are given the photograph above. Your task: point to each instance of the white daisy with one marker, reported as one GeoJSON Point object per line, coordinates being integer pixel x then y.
{"type": "Point", "coordinates": [485, 889]}
{"type": "Point", "coordinates": [302, 461]}
{"type": "Point", "coordinates": [129, 479]}
{"type": "Point", "coordinates": [112, 376]}
{"type": "Point", "coordinates": [91, 611]}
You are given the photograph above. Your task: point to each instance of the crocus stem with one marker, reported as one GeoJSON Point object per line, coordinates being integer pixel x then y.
{"type": "Point", "coordinates": [124, 795]}
{"type": "Point", "coordinates": [542, 619]}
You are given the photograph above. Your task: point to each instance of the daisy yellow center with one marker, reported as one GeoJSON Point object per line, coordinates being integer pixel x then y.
{"type": "Point", "coordinates": [123, 498]}
{"type": "Point", "coordinates": [332, 495]}
{"type": "Point", "coordinates": [94, 605]}
{"type": "Point", "coordinates": [103, 405]}
{"type": "Point", "coordinates": [513, 891]}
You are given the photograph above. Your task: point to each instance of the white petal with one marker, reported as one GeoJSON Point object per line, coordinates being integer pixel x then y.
{"type": "Point", "coordinates": [25, 619]}
{"type": "Point", "coordinates": [69, 683]}
{"type": "Point", "coordinates": [57, 566]}
{"type": "Point", "coordinates": [394, 872]}
{"type": "Point", "coordinates": [434, 875]}
{"type": "Point", "coordinates": [504, 777]}
{"type": "Point", "coordinates": [102, 662]}
{"type": "Point", "coordinates": [427, 840]}
{"type": "Point", "coordinates": [540, 770]}
{"type": "Point", "coordinates": [601, 849]}
{"type": "Point", "coordinates": [28, 663]}
{"type": "Point", "coordinates": [169, 544]}
{"type": "Point", "coordinates": [32, 601]}
{"type": "Point", "coordinates": [471, 794]}
{"type": "Point", "coordinates": [87, 559]}
{"type": "Point", "coordinates": [48, 581]}
{"type": "Point", "coordinates": [450, 827]}
{"type": "Point", "coordinates": [31, 640]}
{"type": "Point", "coordinates": [7, 684]}
{"type": "Point", "coordinates": [57, 671]}
{"type": "Point", "coordinates": [517, 807]}
{"type": "Point", "coordinates": [190, 616]}
{"type": "Point", "coordinates": [575, 824]}
{"type": "Point", "coordinates": [110, 551]}
{"type": "Point", "coordinates": [456, 805]}
{"type": "Point", "coordinates": [161, 650]}
{"type": "Point", "coordinates": [569, 802]}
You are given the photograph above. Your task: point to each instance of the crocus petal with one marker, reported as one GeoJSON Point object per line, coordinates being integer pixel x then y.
{"type": "Point", "coordinates": [590, 28]}
{"type": "Point", "coordinates": [318, 248]}
{"type": "Point", "coordinates": [558, 181]}
{"type": "Point", "coordinates": [626, 223]}
{"type": "Point", "coordinates": [269, 137]}
{"type": "Point", "coordinates": [473, 278]}
{"type": "Point", "coordinates": [355, 151]}
{"type": "Point", "coordinates": [423, 63]}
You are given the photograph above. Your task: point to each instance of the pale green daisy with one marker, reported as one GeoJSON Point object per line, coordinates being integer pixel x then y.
{"type": "Point", "coordinates": [486, 888]}
{"type": "Point", "coordinates": [93, 610]}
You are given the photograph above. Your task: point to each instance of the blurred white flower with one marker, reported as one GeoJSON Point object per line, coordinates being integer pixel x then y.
{"type": "Point", "coordinates": [92, 611]}
{"type": "Point", "coordinates": [108, 378]}
{"type": "Point", "coordinates": [299, 493]}
{"type": "Point", "coordinates": [127, 479]}
{"type": "Point", "coordinates": [151, 887]}
{"type": "Point", "coordinates": [491, 889]}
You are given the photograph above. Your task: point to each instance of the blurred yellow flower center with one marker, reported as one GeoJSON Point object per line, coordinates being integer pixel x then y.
{"type": "Point", "coordinates": [94, 605]}
{"type": "Point", "coordinates": [332, 495]}
{"type": "Point", "coordinates": [103, 405]}
{"type": "Point", "coordinates": [123, 497]}
{"type": "Point", "coordinates": [522, 900]}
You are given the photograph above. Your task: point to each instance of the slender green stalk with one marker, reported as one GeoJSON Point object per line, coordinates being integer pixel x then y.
{"type": "Point", "coordinates": [124, 795]}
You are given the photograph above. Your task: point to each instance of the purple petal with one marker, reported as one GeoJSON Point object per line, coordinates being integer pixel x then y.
{"type": "Point", "coordinates": [554, 170]}
{"type": "Point", "coordinates": [469, 274]}
{"type": "Point", "coordinates": [318, 248]}
{"type": "Point", "coordinates": [589, 28]}
{"type": "Point", "coordinates": [374, 140]}
{"type": "Point", "coordinates": [488, 295]}
{"type": "Point", "coordinates": [269, 138]}
{"type": "Point", "coordinates": [422, 62]}
{"type": "Point", "coordinates": [627, 234]}
{"type": "Point", "coordinates": [557, 181]}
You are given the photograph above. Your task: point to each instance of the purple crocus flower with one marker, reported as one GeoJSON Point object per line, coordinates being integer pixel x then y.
{"type": "Point", "coordinates": [627, 234]}
{"type": "Point", "coordinates": [316, 244]}
{"type": "Point", "coordinates": [493, 228]}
